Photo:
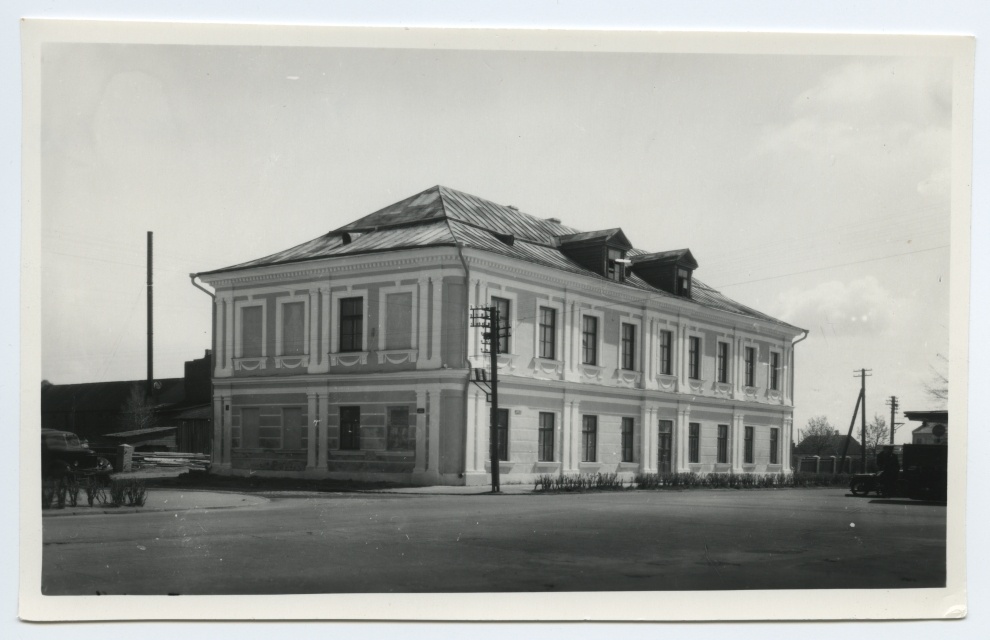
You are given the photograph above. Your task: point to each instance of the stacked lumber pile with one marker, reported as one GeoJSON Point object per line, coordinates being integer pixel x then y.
{"type": "Point", "coordinates": [145, 459]}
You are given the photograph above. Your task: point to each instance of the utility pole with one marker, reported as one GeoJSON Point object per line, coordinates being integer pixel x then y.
{"type": "Point", "coordinates": [893, 414]}
{"type": "Point", "coordinates": [863, 374]}
{"type": "Point", "coordinates": [487, 318]}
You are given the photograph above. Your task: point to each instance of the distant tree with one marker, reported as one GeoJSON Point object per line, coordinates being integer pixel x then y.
{"type": "Point", "coordinates": [938, 385]}
{"type": "Point", "coordinates": [818, 436]}
{"type": "Point", "coordinates": [877, 435]}
{"type": "Point", "coordinates": [138, 412]}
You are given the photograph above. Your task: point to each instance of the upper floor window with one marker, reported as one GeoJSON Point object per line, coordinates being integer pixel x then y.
{"type": "Point", "coordinates": [774, 370]}
{"type": "Point", "coordinates": [723, 362]}
{"type": "Point", "coordinates": [750, 367]}
{"type": "Point", "coordinates": [351, 324]}
{"type": "Point", "coordinates": [614, 267]}
{"type": "Point", "coordinates": [293, 328]}
{"type": "Point", "coordinates": [589, 340]}
{"type": "Point", "coordinates": [548, 333]}
{"type": "Point", "coordinates": [398, 321]}
{"type": "Point", "coordinates": [666, 354]}
{"type": "Point", "coordinates": [628, 346]}
{"type": "Point", "coordinates": [502, 306]}
{"type": "Point", "coordinates": [252, 338]}
{"type": "Point", "coordinates": [694, 357]}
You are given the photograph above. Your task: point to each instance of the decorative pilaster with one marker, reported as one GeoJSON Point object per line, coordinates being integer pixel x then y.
{"type": "Point", "coordinates": [681, 439]}
{"type": "Point", "coordinates": [785, 444]}
{"type": "Point", "coordinates": [228, 335]}
{"type": "Point", "coordinates": [470, 458]}
{"type": "Point", "coordinates": [433, 428]}
{"type": "Point", "coordinates": [314, 356]}
{"type": "Point", "coordinates": [645, 427]}
{"type": "Point", "coordinates": [423, 301]}
{"type": "Point", "coordinates": [325, 330]}
{"type": "Point", "coordinates": [436, 329]}
{"type": "Point", "coordinates": [421, 460]}
{"type": "Point", "coordinates": [323, 399]}
{"type": "Point", "coordinates": [736, 442]}
{"type": "Point", "coordinates": [220, 357]}
{"type": "Point", "coordinates": [311, 434]}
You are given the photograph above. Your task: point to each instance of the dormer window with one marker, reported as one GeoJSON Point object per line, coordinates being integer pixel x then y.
{"type": "Point", "coordinates": [683, 282]}
{"type": "Point", "coordinates": [615, 268]}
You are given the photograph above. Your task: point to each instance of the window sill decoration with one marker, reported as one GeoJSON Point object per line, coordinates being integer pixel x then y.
{"type": "Point", "coordinates": [249, 364]}
{"type": "Point", "coordinates": [547, 367]}
{"type": "Point", "coordinates": [750, 392]}
{"type": "Point", "coordinates": [773, 395]}
{"type": "Point", "coordinates": [348, 359]}
{"type": "Point", "coordinates": [589, 467]}
{"type": "Point", "coordinates": [546, 467]}
{"type": "Point", "coordinates": [696, 385]}
{"type": "Point", "coordinates": [591, 371]}
{"type": "Point", "coordinates": [723, 389]}
{"type": "Point", "coordinates": [397, 356]}
{"type": "Point", "coordinates": [507, 361]}
{"type": "Point", "coordinates": [667, 382]}
{"type": "Point", "coordinates": [291, 362]}
{"type": "Point", "coordinates": [626, 376]}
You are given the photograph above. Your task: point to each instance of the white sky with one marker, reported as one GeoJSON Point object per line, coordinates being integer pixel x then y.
{"type": "Point", "coordinates": [814, 188]}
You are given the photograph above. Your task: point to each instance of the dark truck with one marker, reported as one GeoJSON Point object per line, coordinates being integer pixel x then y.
{"type": "Point", "coordinates": [923, 474]}
{"type": "Point", "coordinates": [64, 457]}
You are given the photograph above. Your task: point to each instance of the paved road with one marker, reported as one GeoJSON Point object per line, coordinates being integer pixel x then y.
{"type": "Point", "coordinates": [309, 543]}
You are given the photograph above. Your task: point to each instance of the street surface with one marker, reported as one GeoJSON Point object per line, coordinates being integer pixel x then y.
{"type": "Point", "coordinates": [377, 542]}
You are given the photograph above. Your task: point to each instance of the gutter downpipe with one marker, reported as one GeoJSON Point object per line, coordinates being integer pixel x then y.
{"type": "Point", "coordinates": [467, 382]}
{"type": "Point", "coordinates": [213, 359]}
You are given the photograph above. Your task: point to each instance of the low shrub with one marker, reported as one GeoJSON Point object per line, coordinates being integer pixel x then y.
{"type": "Point", "coordinates": [598, 482]}
{"type": "Point", "coordinates": [127, 493]}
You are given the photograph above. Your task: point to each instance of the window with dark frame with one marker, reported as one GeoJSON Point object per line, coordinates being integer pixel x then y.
{"type": "Point", "coordinates": [351, 324]}
{"type": "Point", "coordinates": [545, 444]}
{"type": "Point", "coordinates": [683, 282]}
{"type": "Point", "coordinates": [398, 435]}
{"type": "Point", "coordinates": [748, 446]}
{"type": "Point", "coordinates": [774, 445]}
{"type": "Point", "coordinates": [502, 306]}
{"type": "Point", "coordinates": [502, 434]}
{"type": "Point", "coordinates": [723, 444]}
{"type": "Point", "coordinates": [589, 340]}
{"type": "Point", "coordinates": [694, 357]}
{"type": "Point", "coordinates": [627, 439]}
{"type": "Point", "coordinates": [750, 367]}
{"type": "Point", "coordinates": [589, 438]}
{"type": "Point", "coordinates": [694, 442]}
{"type": "Point", "coordinates": [666, 355]}
{"type": "Point", "coordinates": [774, 370]}
{"type": "Point", "coordinates": [548, 333]}
{"type": "Point", "coordinates": [723, 362]}
{"type": "Point", "coordinates": [629, 347]}
{"type": "Point", "coordinates": [350, 428]}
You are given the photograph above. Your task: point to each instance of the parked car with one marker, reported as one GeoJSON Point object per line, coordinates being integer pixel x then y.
{"type": "Point", "coordinates": [62, 455]}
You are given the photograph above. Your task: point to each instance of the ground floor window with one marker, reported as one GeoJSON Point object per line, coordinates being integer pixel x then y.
{"type": "Point", "coordinates": [502, 434]}
{"type": "Point", "coordinates": [589, 439]}
{"type": "Point", "coordinates": [627, 439]}
{"type": "Point", "coordinates": [399, 433]}
{"type": "Point", "coordinates": [774, 446]}
{"type": "Point", "coordinates": [350, 428]}
{"type": "Point", "coordinates": [546, 437]}
{"type": "Point", "coordinates": [748, 446]}
{"type": "Point", "coordinates": [694, 442]}
{"type": "Point", "coordinates": [723, 444]}
{"type": "Point", "coordinates": [295, 435]}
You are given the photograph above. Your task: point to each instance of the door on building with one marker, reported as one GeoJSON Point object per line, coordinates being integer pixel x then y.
{"type": "Point", "coordinates": [665, 434]}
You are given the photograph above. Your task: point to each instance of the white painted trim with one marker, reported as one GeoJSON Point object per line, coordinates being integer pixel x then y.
{"type": "Point", "coordinates": [335, 298]}
{"type": "Point", "coordinates": [558, 330]}
{"type": "Point", "coordinates": [638, 342]}
{"type": "Point", "coordinates": [599, 337]}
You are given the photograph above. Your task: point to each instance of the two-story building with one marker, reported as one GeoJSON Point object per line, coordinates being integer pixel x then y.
{"type": "Point", "coordinates": [350, 356]}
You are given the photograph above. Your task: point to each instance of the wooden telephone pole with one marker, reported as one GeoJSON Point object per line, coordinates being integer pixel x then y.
{"type": "Point", "coordinates": [487, 318]}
